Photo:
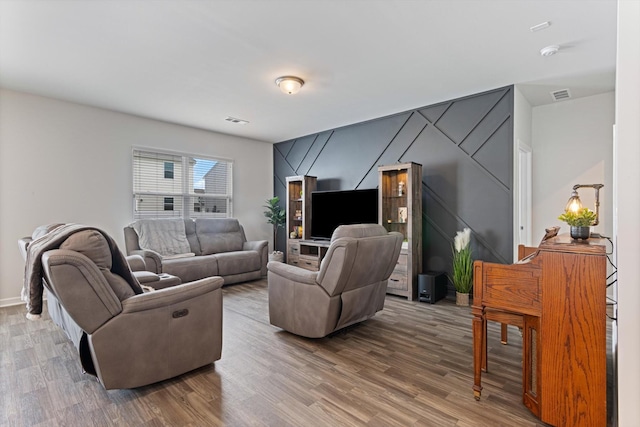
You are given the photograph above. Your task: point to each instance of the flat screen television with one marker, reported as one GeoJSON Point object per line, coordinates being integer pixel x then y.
{"type": "Point", "coordinates": [329, 209]}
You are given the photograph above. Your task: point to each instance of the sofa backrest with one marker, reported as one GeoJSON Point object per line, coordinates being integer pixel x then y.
{"type": "Point", "coordinates": [80, 274]}
{"type": "Point", "coordinates": [359, 255]}
{"type": "Point", "coordinates": [219, 235]}
{"type": "Point", "coordinates": [205, 235]}
{"type": "Point", "coordinates": [192, 237]}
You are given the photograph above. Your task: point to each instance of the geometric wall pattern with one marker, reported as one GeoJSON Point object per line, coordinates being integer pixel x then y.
{"type": "Point", "coordinates": [465, 147]}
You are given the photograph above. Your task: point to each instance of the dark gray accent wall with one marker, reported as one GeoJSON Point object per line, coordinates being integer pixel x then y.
{"type": "Point", "coordinates": [465, 147]}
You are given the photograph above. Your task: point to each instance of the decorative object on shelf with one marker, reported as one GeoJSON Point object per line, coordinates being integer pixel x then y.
{"type": "Point", "coordinates": [402, 214]}
{"type": "Point", "coordinates": [400, 209]}
{"type": "Point", "coordinates": [580, 222]}
{"type": "Point", "coordinates": [462, 266]}
{"type": "Point", "coordinates": [574, 205]}
{"type": "Point", "coordinates": [294, 233]}
{"type": "Point", "coordinates": [289, 84]}
{"type": "Point", "coordinates": [276, 216]}
{"type": "Point", "coordinates": [298, 214]}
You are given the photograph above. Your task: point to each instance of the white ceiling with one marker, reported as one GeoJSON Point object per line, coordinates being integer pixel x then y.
{"type": "Point", "coordinates": [197, 62]}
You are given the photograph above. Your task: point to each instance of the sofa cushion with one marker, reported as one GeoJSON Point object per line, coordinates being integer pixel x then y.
{"type": "Point", "coordinates": [192, 237]}
{"type": "Point", "coordinates": [217, 235]}
{"type": "Point", "coordinates": [167, 236]}
{"type": "Point", "coordinates": [92, 244]}
{"type": "Point", "coordinates": [190, 269]}
{"type": "Point", "coordinates": [238, 262]}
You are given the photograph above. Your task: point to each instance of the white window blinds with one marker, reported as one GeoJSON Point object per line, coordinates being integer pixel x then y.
{"type": "Point", "coordinates": [181, 185]}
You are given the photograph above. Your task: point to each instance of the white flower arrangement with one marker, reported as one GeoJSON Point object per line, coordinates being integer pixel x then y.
{"type": "Point", "coordinates": [462, 262]}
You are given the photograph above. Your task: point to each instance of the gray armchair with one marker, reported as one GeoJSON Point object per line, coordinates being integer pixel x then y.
{"type": "Point", "coordinates": [125, 337]}
{"type": "Point", "coordinates": [349, 287]}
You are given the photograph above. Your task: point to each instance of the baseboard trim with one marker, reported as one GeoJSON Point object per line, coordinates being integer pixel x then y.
{"type": "Point", "coordinates": [8, 302]}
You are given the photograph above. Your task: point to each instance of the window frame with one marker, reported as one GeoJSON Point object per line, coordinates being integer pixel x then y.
{"type": "Point", "coordinates": [188, 200]}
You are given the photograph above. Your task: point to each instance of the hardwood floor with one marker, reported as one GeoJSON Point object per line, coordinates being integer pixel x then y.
{"type": "Point", "coordinates": [371, 374]}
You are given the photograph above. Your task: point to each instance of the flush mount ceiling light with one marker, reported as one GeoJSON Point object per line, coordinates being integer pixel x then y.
{"type": "Point", "coordinates": [289, 84]}
{"type": "Point", "coordinates": [549, 50]}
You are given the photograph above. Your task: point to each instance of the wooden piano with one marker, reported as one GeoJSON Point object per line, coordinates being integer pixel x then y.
{"type": "Point", "coordinates": [557, 295]}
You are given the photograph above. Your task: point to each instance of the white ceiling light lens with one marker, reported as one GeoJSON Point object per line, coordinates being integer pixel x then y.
{"type": "Point", "coordinates": [289, 84]}
{"type": "Point", "coordinates": [549, 50]}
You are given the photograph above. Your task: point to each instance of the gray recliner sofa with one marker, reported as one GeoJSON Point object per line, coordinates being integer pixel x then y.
{"type": "Point", "coordinates": [194, 249]}
{"type": "Point", "coordinates": [349, 287]}
{"type": "Point", "coordinates": [126, 337]}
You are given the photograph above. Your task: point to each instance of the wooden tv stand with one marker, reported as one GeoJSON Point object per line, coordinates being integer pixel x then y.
{"type": "Point", "coordinates": [307, 254]}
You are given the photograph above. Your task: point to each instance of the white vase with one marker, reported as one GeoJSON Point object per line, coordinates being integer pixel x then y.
{"type": "Point", "coordinates": [276, 256]}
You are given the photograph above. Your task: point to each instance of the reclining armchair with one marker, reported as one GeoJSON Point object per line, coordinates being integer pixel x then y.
{"type": "Point", "coordinates": [125, 337]}
{"type": "Point", "coordinates": [349, 287]}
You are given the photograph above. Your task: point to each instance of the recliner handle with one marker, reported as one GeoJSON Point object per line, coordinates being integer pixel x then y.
{"type": "Point", "coordinates": [180, 313]}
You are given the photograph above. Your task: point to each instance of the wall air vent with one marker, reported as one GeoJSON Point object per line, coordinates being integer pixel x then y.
{"type": "Point", "coordinates": [560, 95]}
{"type": "Point", "coordinates": [236, 121]}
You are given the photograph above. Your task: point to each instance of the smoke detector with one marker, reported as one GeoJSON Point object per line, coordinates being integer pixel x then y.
{"type": "Point", "coordinates": [549, 50]}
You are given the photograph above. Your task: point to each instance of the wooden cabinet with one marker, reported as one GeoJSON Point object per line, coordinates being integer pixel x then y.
{"type": "Point", "coordinates": [559, 293]}
{"type": "Point", "coordinates": [400, 209]}
{"type": "Point", "coordinates": [298, 209]}
{"type": "Point", "coordinates": [310, 254]}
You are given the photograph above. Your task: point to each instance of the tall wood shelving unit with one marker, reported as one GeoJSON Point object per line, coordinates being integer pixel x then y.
{"type": "Point", "coordinates": [299, 190]}
{"type": "Point", "coordinates": [402, 211]}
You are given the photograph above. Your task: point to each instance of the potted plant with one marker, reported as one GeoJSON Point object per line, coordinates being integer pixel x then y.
{"type": "Point", "coordinates": [276, 216]}
{"type": "Point", "coordinates": [462, 277]}
{"type": "Point", "coordinates": [580, 222]}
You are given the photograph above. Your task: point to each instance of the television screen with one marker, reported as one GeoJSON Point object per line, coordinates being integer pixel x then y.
{"type": "Point", "coordinates": [329, 209]}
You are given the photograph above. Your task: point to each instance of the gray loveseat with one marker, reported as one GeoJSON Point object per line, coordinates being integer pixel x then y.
{"type": "Point", "coordinates": [125, 337]}
{"type": "Point", "coordinates": [195, 249]}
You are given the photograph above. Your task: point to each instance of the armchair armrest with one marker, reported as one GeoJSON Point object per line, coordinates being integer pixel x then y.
{"type": "Point", "coordinates": [255, 245]}
{"type": "Point", "coordinates": [262, 247]}
{"type": "Point", "coordinates": [293, 273]}
{"type": "Point", "coordinates": [173, 295]}
{"type": "Point", "coordinates": [152, 259]}
{"type": "Point", "coordinates": [136, 263]}
{"type": "Point", "coordinates": [22, 244]}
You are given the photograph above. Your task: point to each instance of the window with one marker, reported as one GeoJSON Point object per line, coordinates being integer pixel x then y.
{"type": "Point", "coordinates": [168, 203]}
{"type": "Point", "coordinates": [168, 170]}
{"type": "Point", "coordinates": [167, 184]}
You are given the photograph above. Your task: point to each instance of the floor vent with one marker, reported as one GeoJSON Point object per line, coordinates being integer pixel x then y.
{"type": "Point", "coordinates": [236, 121]}
{"type": "Point", "coordinates": [560, 95]}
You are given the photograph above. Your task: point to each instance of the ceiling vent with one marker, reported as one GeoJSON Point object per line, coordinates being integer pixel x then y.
{"type": "Point", "coordinates": [236, 121]}
{"type": "Point", "coordinates": [560, 95]}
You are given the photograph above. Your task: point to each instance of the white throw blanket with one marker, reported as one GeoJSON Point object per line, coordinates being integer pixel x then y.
{"type": "Point", "coordinates": [165, 236]}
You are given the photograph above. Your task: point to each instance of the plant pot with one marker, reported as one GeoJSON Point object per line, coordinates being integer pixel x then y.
{"type": "Point", "coordinates": [276, 256]}
{"type": "Point", "coordinates": [580, 232]}
{"type": "Point", "coordinates": [462, 299]}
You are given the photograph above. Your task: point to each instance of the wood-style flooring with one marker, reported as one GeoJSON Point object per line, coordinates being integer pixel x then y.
{"type": "Point", "coordinates": [410, 365]}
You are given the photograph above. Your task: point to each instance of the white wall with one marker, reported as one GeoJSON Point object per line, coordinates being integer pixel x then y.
{"type": "Point", "coordinates": [522, 128]}
{"type": "Point", "coordinates": [572, 143]}
{"type": "Point", "coordinates": [628, 210]}
{"type": "Point", "coordinates": [64, 162]}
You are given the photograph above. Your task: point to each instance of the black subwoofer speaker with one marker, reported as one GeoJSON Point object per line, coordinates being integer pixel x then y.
{"type": "Point", "coordinates": [432, 287]}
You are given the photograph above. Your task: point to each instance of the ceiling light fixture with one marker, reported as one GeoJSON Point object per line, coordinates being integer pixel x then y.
{"type": "Point", "coordinates": [549, 50]}
{"type": "Point", "coordinates": [289, 84]}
